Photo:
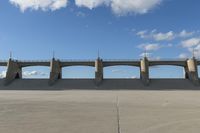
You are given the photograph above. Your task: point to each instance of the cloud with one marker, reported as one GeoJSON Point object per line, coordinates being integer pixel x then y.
{"type": "Point", "coordinates": [3, 74]}
{"type": "Point", "coordinates": [91, 3]}
{"type": "Point", "coordinates": [121, 7]}
{"type": "Point", "coordinates": [118, 71]}
{"type": "Point", "coordinates": [149, 46]}
{"type": "Point", "coordinates": [193, 46]}
{"type": "Point", "coordinates": [28, 74]}
{"type": "Point", "coordinates": [81, 14]}
{"type": "Point", "coordinates": [183, 56]}
{"type": "Point", "coordinates": [157, 36]}
{"type": "Point", "coordinates": [145, 54]}
{"type": "Point", "coordinates": [133, 77]}
{"type": "Point", "coordinates": [142, 34]}
{"type": "Point", "coordinates": [192, 42]}
{"type": "Point", "coordinates": [39, 4]}
{"type": "Point", "coordinates": [184, 33]}
{"type": "Point", "coordinates": [196, 51]}
{"type": "Point", "coordinates": [163, 36]}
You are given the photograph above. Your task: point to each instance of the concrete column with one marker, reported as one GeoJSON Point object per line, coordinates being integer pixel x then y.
{"type": "Point", "coordinates": [144, 71]}
{"type": "Point", "coordinates": [192, 71]}
{"type": "Point", "coordinates": [186, 72]}
{"type": "Point", "coordinates": [98, 71]}
{"type": "Point", "coordinates": [55, 71]}
{"type": "Point", "coordinates": [14, 71]}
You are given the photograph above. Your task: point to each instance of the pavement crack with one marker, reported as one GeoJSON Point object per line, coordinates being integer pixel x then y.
{"type": "Point", "coordinates": [118, 116]}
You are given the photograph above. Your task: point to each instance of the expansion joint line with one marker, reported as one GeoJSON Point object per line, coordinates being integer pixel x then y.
{"type": "Point", "coordinates": [118, 116]}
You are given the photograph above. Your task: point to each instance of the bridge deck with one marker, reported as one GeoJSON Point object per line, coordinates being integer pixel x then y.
{"type": "Point", "coordinates": [106, 63]}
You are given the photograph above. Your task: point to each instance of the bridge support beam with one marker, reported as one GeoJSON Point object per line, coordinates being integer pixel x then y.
{"type": "Point", "coordinates": [191, 71]}
{"type": "Point", "coordinates": [14, 71]}
{"type": "Point", "coordinates": [98, 71]}
{"type": "Point", "coordinates": [55, 72]}
{"type": "Point", "coordinates": [144, 71]}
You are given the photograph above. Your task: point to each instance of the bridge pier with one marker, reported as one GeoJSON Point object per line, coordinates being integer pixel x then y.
{"type": "Point", "coordinates": [98, 71]}
{"type": "Point", "coordinates": [14, 71]}
{"type": "Point", "coordinates": [191, 71]}
{"type": "Point", "coordinates": [55, 71]}
{"type": "Point", "coordinates": [144, 71]}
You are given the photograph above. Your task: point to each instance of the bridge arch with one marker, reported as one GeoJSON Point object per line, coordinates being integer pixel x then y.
{"type": "Point", "coordinates": [166, 71]}
{"type": "Point", "coordinates": [35, 72]}
{"type": "Point", "coordinates": [121, 72]}
{"type": "Point", "coordinates": [78, 72]}
{"type": "Point", "coordinates": [119, 65]}
{"type": "Point", "coordinates": [198, 67]}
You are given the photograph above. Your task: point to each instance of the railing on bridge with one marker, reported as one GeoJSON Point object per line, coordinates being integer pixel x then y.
{"type": "Point", "coordinates": [33, 61]}
{"type": "Point", "coordinates": [120, 60]}
{"type": "Point", "coordinates": [76, 60]}
{"type": "Point", "coordinates": [106, 60]}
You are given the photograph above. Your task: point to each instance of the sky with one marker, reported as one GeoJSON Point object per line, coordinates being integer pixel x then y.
{"type": "Point", "coordinates": [118, 29]}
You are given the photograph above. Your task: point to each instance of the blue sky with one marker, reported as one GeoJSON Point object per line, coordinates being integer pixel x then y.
{"type": "Point", "coordinates": [77, 29]}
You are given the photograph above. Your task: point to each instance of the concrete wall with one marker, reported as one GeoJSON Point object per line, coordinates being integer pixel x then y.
{"type": "Point", "coordinates": [107, 84]}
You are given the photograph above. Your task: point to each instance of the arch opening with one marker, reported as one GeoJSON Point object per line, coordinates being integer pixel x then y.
{"type": "Point", "coordinates": [166, 72]}
{"type": "Point", "coordinates": [78, 72]}
{"type": "Point", "coordinates": [35, 72]}
{"type": "Point", "coordinates": [121, 72]}
{"type": "Point", "coordinates": [198, 68]}
{"type": "Point", "coordinates": [3, 72]}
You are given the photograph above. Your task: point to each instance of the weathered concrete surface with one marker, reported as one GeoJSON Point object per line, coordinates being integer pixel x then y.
{"type": "Point", "coordinates": [98, 71]}
{"type": "Point", "coordinates": [95, 111]}
{"type": "Point", "coordinates": [107, 84]}
{"type": "Point", "coordinates": [144, 71]}
{"type": "Point", "coordinates": [56, 71]}
{"type": "Point", "coordinates": [14, 71]}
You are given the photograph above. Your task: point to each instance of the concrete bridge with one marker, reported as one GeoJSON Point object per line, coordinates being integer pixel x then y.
{"type": "Point", "coordinates": [14, 67]}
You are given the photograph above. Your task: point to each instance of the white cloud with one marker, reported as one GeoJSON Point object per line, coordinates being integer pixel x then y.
{"type": "Point", "coordinates": [133, 77]}
{"type": "Point", "coordinates": [91, 3]}
{"type": "Point", "coordinates": [145, 54]}
{"type": "Point", "coordinates": [33, 73]}
{"type": "Point", "coordinates": [142, 34]}
{"type": "Point", "coordinates": [192, 42]}
{"type": "Point", "coordinates": [163, 36]}
{"type": "Point", "coordinates": [197, 51]}
{"type": "Point", "coordinates": [26, 74]}
{"type": "Point", "coordinates": [81, 14]}
{"type": "Point", "coordinates": [183, 56]}
{"type": "Point", "coordinates": [193, 46]}
{"type": "Point", "coordinates": [118, 71]}
{"type": "Point", "coordinates": [184, 33]}
{"type": "Point", "coordinates": [149, 46]}
{"type": "Point", "coordinates": [3, 74]}
{"type": "Point", "coordinates": [157, 36]}
{"type": "Point", "coordinates": [121, 7]}
{"type": "Point", "coordinates": [39, 4]}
